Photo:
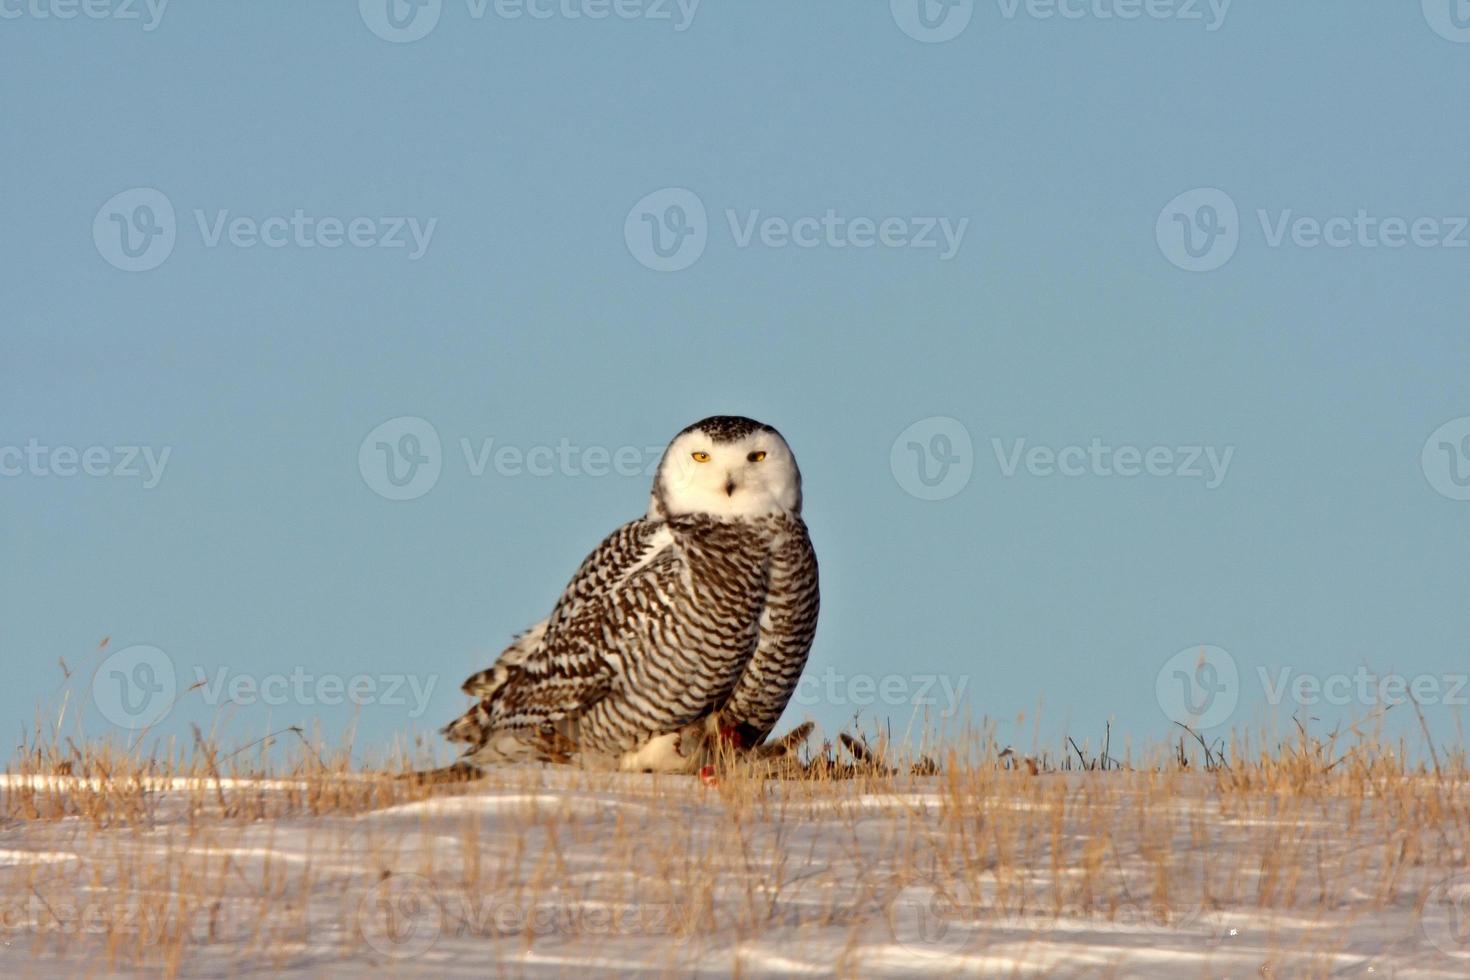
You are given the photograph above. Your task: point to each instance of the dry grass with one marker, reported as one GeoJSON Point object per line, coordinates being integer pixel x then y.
{"type": "Point", "coordinates": [177, 847]}
{"type": "Point", "coordinates": [284, 852]}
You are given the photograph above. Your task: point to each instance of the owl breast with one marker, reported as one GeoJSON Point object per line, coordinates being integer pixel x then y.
{"type": "Point", "coordinates": [694, 632]}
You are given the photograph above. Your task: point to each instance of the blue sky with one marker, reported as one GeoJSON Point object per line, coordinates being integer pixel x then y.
{"type": "Point", "coordinates": [368, 228]}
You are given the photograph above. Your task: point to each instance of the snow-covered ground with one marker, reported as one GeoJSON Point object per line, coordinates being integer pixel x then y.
{"type": "Point", "coordinates": [542, 873]}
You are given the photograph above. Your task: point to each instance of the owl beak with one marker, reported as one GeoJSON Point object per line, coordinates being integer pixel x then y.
{"type": "Point", "coordinates": [729, 486]}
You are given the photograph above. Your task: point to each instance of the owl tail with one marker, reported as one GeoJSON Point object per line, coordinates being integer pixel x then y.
{"type": "Point", "coordinates": [473, 726]}
{"type": "Point", "coordinates": [489, 745]}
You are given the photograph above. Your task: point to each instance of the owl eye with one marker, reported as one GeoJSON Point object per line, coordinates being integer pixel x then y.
{"type": "Point", "coordinates": [757, 456]}
{"type": "Point", "coordinates": [700, 457]}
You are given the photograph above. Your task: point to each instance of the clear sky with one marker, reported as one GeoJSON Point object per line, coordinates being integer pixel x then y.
{"type": "Point", "coordinates": [1005, 266]}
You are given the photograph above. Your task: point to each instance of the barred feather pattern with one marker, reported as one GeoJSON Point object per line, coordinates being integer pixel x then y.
{"type": "Point", "coordinates": [665, 623]}
{"type": "Point", "coordinates": [787, 627]}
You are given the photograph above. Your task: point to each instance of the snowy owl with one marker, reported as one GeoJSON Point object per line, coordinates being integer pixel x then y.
{"type": "Point", "coordinates": [685, 631]}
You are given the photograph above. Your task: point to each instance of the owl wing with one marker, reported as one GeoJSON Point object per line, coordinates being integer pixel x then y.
{"type": "Point", "coordinates": [787, 626]}
{"type": "Point", "coordinates": [568, 662]}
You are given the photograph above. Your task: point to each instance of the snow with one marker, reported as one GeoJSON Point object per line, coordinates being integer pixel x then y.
{"type": "Point", "coordinates": [546, 872]}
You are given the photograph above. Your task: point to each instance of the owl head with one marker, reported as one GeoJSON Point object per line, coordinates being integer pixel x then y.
{"type": "Point", "coordinates": [727, 466]}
